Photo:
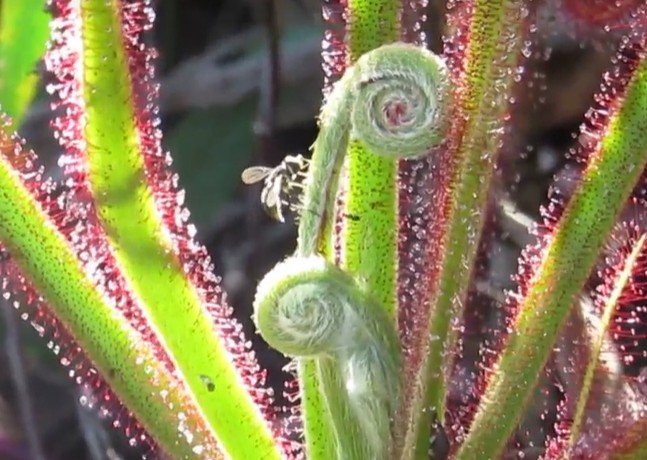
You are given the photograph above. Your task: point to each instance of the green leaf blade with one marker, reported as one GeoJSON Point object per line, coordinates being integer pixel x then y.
{"type": "Point", "coordinates": [119, 138]}
{"type": "Point", "coordinates": [613, 170]}
{"type": "Point", "coordinates": [127, 363]}
{"type": "Point", "coordinates": [488, 48]}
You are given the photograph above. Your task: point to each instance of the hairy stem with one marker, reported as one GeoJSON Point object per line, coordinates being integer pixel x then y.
{"type": "Point", "coordinates": [393, 102]}
{"type": "Point", "coordinates": [308, 308]}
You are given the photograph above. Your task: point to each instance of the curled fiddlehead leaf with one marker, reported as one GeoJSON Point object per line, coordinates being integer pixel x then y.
{"type": "Point", "coordinates": [395, 100]}
{"type": "Point", "coordinates": [308, 308]}
{"type": "Point", "coordinates": [400, 100]}
{"type": "Point", "coordinates": [303, 307]}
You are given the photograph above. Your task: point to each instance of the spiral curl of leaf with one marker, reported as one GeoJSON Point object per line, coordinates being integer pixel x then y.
{"type": "Point", "coordinates": [400, 97]}
{"type": "Point", "coordinates": [301, 307]}
{"type": "Point", "coordinates": [308, 308]}
{"type": "Point", "coordinates": [396, 101]}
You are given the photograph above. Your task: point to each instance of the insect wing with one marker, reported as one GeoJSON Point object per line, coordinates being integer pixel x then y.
{"type": "Point", "coordinates": [255, 174]}
{"type": "Point", "coordinates": [271, 197]}
{"type": "Point", "coordinates": [268, 196]}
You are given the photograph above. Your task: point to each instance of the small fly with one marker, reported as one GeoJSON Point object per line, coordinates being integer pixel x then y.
{"type": "Point", "coordinates": [282, 185]}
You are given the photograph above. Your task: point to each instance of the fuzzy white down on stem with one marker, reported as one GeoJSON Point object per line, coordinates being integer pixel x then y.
{"type": "Point", "coordinates": [395, 101]}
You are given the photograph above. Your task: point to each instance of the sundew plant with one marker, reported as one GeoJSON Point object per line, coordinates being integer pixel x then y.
{"type": "Point", "coordinates": [395, 218]}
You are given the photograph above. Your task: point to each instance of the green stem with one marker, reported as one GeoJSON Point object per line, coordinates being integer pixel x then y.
{"type": "Point", "coordinates": [397, 76]}
{"type": "Point", "coordinates": [371, 180]}
{"type": "Point", "coordinates": [361, 31]}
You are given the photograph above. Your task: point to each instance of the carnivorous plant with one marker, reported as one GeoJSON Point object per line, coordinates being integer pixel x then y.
{"type": "Point", "coordinates": [393, 225]}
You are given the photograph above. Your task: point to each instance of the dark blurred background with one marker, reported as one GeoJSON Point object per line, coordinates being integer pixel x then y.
{"type": "Point", "coordinates": [241, 85]}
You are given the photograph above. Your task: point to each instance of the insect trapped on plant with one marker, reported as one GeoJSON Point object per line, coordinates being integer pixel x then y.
{"type": "Point", "coordinates": [283, 184]}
